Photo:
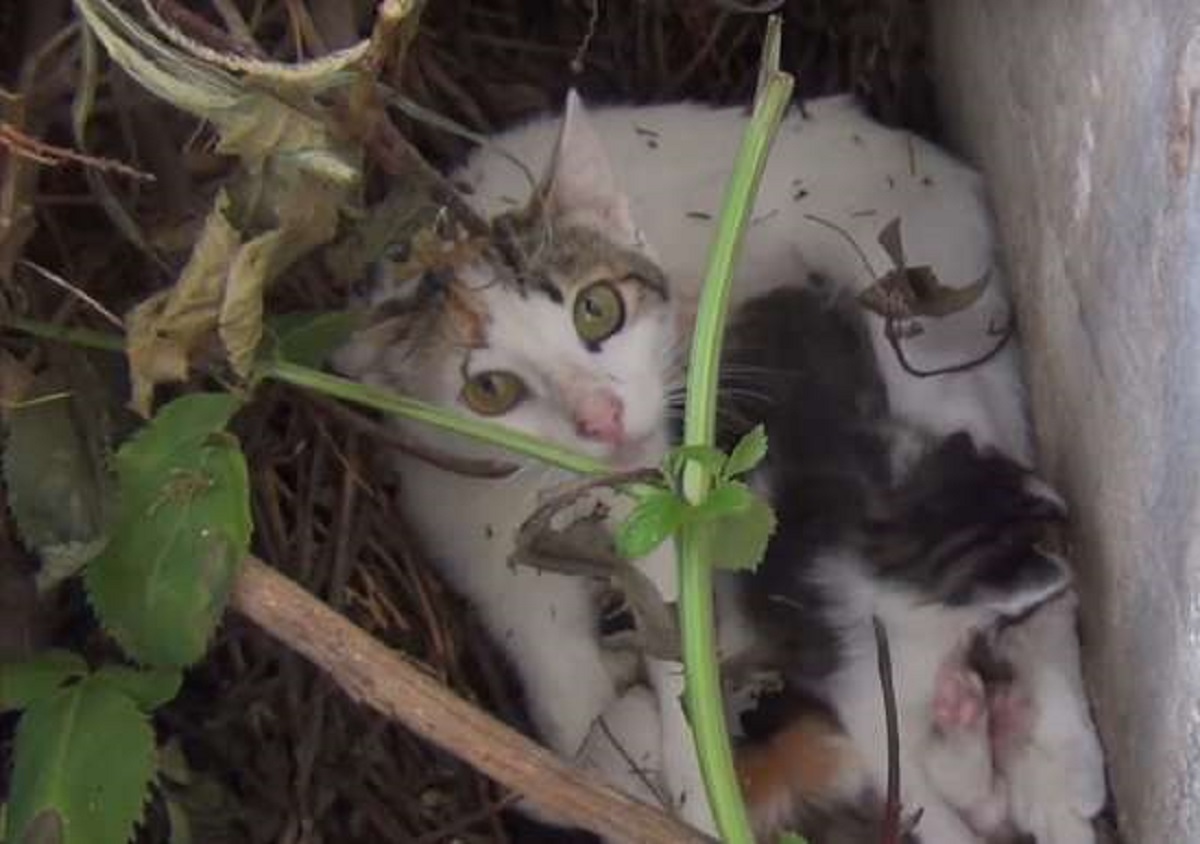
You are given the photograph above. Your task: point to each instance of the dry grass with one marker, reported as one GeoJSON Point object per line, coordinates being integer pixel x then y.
{"type": "Point", "coordinates": [276, 754]}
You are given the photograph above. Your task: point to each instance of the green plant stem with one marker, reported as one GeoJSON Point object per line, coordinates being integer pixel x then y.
{"type": "Point", "coordinates": [352, 391]}
{"type": "Point", "coordinates": [83, 337]}
{"type": "Point", "coordinates": [703, 690]}
{"type": "Point", "coordinates": [393, 403]}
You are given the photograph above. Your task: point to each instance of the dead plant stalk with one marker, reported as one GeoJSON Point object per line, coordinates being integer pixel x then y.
{"type": "Point", "coordinates": [371, 673]}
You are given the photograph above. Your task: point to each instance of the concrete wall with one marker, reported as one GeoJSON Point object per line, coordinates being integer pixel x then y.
{"type": "Point", "coordinates": [1086, 118]}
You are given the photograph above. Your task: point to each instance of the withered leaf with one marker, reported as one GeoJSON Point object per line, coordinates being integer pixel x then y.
{"type": "Point", "coordinates": [584, 547]}
{"type": "Point", "coordinates": [917, 292]}
{"type": "Point", "coordinates": [892, 242]}
{"type": "Point", "coordinates": [220, 291]}
{"type": "Point", "coordinates": [297, 174]}
{"type": "Point", "coordinates": [906, 292]}
{"type": "Point", "coordinates": [165, 331]}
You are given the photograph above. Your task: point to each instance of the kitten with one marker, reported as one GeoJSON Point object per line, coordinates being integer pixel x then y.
{"type": "Point", "coordinates": [939, 544]}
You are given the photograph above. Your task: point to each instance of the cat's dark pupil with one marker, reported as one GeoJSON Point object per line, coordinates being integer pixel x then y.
{"type": "Point", "coordinates": [488, 384]}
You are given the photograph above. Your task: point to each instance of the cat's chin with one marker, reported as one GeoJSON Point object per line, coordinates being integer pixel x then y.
{"type": "Point", "coordinates": [646, 451]}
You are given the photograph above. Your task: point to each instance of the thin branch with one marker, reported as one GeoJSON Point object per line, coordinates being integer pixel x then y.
{"type": "Point", "coordinates": [846, 236]}
{"type": "Point", "coordinates": [891, 817]}
{"type": "Point", "coordinates": [87, 338]}
{"type": "Point", "coordinates": [586, 42]}
{"type": "Point", "coordinates": [891, 330]}
{"type": "Point", "coordinates": [25, 146]}
{"type": "Point", "coordinates": [373, 674]}
{"type": "Point", "coordinates": [75, 291]}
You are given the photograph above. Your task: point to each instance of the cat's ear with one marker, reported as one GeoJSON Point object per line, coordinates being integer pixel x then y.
{"type": "Point", "coordinates": [580, 187]}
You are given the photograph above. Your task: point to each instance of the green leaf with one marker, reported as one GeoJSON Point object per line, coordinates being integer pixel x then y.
{"type": "Point", "coordinates": [25, 683]}
{"type": "Point", "coordinates": [150, 688]}
{"type": "Point", "coordinates": [652, 521]}
{"type": "Point", "coordinates": [748, 453]}
{"type": "Point", "coordinates": [55, 468]}
{"type": "Point", "coordinates": [740, 526]}
{"type": "Point", "coordinates": [183, 525]}
{"type": "Point", "coordinates": [84, 758]}
{"type": "Point", "coordinates": [707, 456]}
{"type": "Point", "coordinates": [792, 838]}
{"type": "Point", "coordinates": [308, 338]}
{"type": "Point", "coordinates": [729, 498]}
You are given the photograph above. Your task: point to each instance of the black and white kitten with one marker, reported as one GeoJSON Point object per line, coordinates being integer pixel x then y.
{"type": "Point", "coordinates": [933, 536]}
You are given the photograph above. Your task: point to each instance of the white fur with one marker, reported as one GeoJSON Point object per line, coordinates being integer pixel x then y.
{"type": "Point", "coordinates": [920, 636]}
{"type": "Point", "coordinates": [1057, 779]}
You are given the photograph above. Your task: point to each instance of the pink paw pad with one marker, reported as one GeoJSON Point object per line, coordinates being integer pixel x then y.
{"type": "Point", "coordinates": [959, 699]}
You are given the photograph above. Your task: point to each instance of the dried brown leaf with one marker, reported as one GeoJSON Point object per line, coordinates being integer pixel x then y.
{"type": "Point", "coordinates": [166, 330]}
{"type": "Point", "coordinates": [917, 292]}
{"type": "Point", "coordinates": [308, 218]}
{"type": "Point", "coordinates": [906, 292]}
{"type": "Point", "coordinates": [892, 242]}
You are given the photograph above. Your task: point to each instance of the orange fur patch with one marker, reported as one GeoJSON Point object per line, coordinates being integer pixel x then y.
{"type": "Point", "coordinates": [803, 764]}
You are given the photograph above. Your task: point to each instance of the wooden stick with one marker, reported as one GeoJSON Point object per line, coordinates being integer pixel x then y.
{"type": "Point", "coordinates": [371, 673]}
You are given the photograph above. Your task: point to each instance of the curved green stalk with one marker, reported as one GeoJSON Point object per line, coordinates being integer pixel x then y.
{"type": "Point", "coordinates": [703, 690]}
{"type": "Point", "coordinates": [85, 338]}
{"type": "Point", "coordinates": [352, 391]}
{"type": "Point", "coordinates": [398, 405]}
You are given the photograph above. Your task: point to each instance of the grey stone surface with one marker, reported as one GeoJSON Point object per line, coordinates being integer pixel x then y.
{"type": "Point", "coordinates": [1084, 116]}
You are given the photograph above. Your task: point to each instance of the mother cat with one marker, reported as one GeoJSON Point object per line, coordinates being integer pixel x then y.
{"type": "Point", "coordinates": [564, 326]}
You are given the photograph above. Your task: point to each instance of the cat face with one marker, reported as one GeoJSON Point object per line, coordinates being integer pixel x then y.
{"type": "Point", "coordinates": [558, 324]}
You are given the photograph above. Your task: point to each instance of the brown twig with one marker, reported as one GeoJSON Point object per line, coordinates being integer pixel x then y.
{"type": "Point", "coordinates": [891, 811]}
{"type": "Point", "coordinates": [891, 330]}
{"type": "Point", "coordinates": [20, 144]}
{"type": "Point", "coordinates": [373, 674]}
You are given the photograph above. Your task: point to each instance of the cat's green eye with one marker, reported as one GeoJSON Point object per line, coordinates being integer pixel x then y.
{"type": "Point", "coordinates": [493, 392]}
{"type": "Point", "coordinates": [599, 312]}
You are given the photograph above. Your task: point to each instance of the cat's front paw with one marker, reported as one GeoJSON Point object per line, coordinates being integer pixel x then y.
{"type": "Point", "coordinates": [958, 755]}
{"type": "Point", "coordinates": [959, 699]}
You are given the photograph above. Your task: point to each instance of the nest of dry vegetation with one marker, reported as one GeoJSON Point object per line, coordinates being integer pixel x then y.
{"type": "Point", "coordinates": [274, 752]}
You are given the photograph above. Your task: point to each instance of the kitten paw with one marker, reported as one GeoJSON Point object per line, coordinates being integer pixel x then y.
{"type": "Point", "coordinates": [959, 699]}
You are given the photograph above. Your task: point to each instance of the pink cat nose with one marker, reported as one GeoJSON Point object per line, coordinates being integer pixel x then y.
{"type": "Point", "coordinates": [600, 415]}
